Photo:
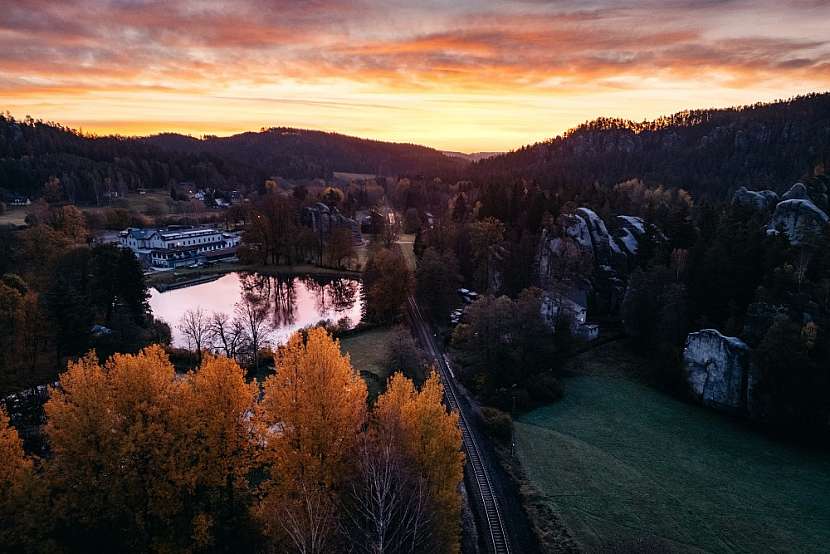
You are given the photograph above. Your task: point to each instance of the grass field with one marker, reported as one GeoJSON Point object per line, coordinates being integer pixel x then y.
{"type": "Point", "coordinates": [368, 354]}
{"type": "Point", "coordinates": [621, 462]}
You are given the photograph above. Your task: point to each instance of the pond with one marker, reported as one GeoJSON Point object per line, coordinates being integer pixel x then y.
{"type": "Point", "coordinates": [291, 302]}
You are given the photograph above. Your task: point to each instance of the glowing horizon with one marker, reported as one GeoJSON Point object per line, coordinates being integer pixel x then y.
{"type": "Point", "coordinates": [466, 76]}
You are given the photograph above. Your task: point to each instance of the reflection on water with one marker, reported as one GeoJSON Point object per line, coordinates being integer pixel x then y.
{"type": "Point", "coordinates": [291, 302]}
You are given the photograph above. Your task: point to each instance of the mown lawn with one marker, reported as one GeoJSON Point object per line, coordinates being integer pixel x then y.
{"type": "Point", "coordinates": [367, 350]}
{"type": "Point", "coordinates": [622, 462]}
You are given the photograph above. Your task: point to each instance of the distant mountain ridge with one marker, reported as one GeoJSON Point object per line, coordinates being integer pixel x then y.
{"type": "Point", "coordinates": [709, 152]}
{"type": "Point", "coordinates": [88, 167]}
{"type": "Point", "coordinates": [300, 153]}
{"type": "Point", "coordinates": [472, 156]}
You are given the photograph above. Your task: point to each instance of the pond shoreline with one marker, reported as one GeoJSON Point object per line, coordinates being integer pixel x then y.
{"type": "Point", "coordinates": [287, 300]}
{"type": "Point", "coordinates": [173, 279]}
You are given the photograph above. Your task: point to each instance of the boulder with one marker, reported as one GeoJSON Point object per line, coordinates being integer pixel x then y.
{"type": "Point", "coordinates": [630, 232]}
{"type": "Point", "coordinates": [605, 247]}
{"type": "Point", "coordinates": [716, 369]}
{"type": "Point", "coordinates": [771, 197]}
{"type": "Point", "coordinates": [797, 192]}
{"type": "Point", "coordinates": [798, 219]}
{"type": "Point", "coordinates": [756, 200]}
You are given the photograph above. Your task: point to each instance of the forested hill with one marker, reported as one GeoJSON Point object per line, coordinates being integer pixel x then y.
{"type": "Point", "coordinates": [32, 151]}
{"type": "Point", "coordinates": [298, 153]}
{"type": "Point", "coordinates": [709, 152]}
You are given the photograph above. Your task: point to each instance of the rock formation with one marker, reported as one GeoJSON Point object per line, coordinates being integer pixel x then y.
{"type": "Point", "coordinates": [717, 369]}
{"type": "Point", "coordinates": [630, 233]}
{"type": "Point", "coordinates": [797, 192]}
{"type": "Point", "coordinates": [798, 219]}
{"type": "Point", "coordinates": [757, 200]}
{"type": "Point", "coordinates": [580, 253]}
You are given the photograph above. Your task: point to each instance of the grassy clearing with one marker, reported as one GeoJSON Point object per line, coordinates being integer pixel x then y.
{"type": "Point", "coordinates": [624, 463]}
{"type": "Point", "coordinates": [367, 350]}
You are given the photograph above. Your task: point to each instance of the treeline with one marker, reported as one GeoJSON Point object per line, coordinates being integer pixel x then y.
{"type": "Point", "coordinates": [61, 296]}
{"type": "Point", "coordinates": [92, 168]}
{"type": "Point", "coordinates": [140, 460]}
{"type": "Point", "coordinates": [300, 153]}
{"type": "Point", "coordinates": [707, 152]}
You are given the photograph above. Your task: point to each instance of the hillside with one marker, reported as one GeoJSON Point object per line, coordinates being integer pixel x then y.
{"type": "Point", "coordinates": [89, 166]}
{"type": "Point", "coordinates": [298, 153]}
{"type": "Point", "coordinates": [709, 152]}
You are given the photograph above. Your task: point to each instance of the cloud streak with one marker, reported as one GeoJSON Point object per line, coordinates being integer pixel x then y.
{"type": "Point", "coordinates": [428, 70]}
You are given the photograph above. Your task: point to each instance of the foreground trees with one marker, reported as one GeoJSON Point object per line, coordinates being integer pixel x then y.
{"type": "Point", "coordinates": [427, 439]}
{"type": "Point", "coordinates": [138, 457]}
{"type": "Point", "coordinates": [314, 410]}
{"type": "Point", "coordinates": [141, 460]}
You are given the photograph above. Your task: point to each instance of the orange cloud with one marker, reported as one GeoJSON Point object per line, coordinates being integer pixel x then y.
{"type": "Point", "coordinates": [467, 75]}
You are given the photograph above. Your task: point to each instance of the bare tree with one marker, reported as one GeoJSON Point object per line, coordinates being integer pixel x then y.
{"type": "Point", "coordinates": [387, 511]}
{"type": "Point", "coordinates": [390, 231]}
{"type": "Point", "coordinates": [252, 316]}
{"type": "Point", "coordinates": [227, 334]}
{"type": "Point", "coordinates": [195, 325]}
{"type": "Point", "coordinates": [308, 524]}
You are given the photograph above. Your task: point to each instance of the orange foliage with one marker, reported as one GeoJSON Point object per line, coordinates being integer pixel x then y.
{"type": "Point", "coordinates": [114, 444]}
{"type": "Point", "coordinates": [15, 475]}
{"type": "Point", "coordinates": [312, 415]}
{"type": "Point", "coordinates": [427, 434]}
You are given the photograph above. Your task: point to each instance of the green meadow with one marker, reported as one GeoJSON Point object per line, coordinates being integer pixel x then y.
{"type": "Point", "coordinates": [624, 464]}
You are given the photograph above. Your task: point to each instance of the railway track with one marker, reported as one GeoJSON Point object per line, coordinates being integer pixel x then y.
{"type": "Point", "coordinates": [499, 541]}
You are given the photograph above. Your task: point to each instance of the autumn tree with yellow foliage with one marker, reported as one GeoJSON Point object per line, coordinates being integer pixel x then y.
{"type": "Point", "coordinates": [312, 415]}
{"type": "Point", "coordinates": [214, 414]}
{"type": "Point", "coordinates": [428, 438]}
{"type": "Point", "coordinates": [15, 482]}
{"type": "Point", "coordinates": [142, 460]}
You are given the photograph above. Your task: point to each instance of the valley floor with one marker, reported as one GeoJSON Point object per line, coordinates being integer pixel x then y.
{"type": "Point", "coordinates": [628, 466]}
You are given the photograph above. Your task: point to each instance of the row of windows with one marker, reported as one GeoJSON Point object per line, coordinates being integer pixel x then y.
{"type": "Point", "coordinates": [204, 249]}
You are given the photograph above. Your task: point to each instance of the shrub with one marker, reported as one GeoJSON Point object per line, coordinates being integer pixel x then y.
{"type": "Point", "coordinates": [497, 423]}
{"type": "Point", "coordinates": [545, 388]}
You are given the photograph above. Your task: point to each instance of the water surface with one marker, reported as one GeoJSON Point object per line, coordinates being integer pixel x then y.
{"type": "Point", "coordinates": [291, 302]}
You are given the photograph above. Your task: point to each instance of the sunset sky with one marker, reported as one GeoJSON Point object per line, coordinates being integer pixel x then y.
{"type": "Point", "coordinates": [462, 75]}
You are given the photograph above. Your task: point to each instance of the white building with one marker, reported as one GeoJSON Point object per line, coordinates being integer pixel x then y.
{"type": "Point", "coordinates": [179, 246]}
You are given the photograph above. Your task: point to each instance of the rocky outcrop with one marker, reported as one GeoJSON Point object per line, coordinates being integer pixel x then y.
{"type": "Point", "coordinates": [756, 200]}
{"type": "Point", "coordinates": [630, 232]}
{"type": "Point", "coordinates": [581, 253]}
{"type": "Point", "coordinates": [604, 246]}
{"type": "Point", "coordinates": [797, 192]}
{"type": "Point", "coordinates": [798, 219]}
{"type": "Point", "coordinates": [717, 369]}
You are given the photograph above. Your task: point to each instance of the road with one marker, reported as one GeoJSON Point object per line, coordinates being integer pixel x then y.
{"type": "Point", "coordinates": [477, 468]}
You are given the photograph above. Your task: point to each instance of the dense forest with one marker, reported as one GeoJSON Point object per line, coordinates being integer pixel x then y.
{"type": "Point", "coordinates": [299, 153]}
{"type": "Point", "coordinates": [90, 168]}
{"type": "Point", "coordinates": [707, 152]}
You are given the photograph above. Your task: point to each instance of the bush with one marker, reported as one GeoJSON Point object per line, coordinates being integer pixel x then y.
{"type": "Point", "coordinates": [545, 388]}
{"type": "Point", "coordinates": [497, 423]}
